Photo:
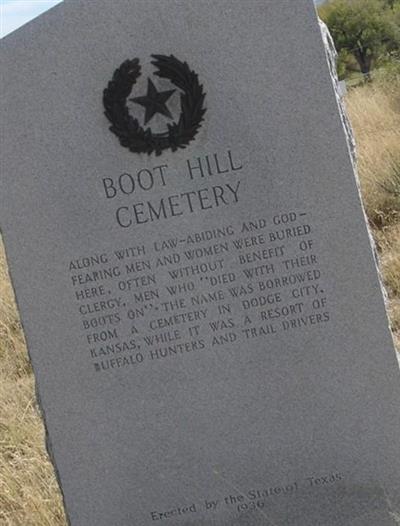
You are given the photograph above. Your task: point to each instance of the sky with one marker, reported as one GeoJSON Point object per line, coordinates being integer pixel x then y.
{"type": "Point", "coordinates": [15, 13]}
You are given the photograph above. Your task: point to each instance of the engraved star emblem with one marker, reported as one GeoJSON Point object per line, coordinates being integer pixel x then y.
{"type": "Point", "coordinates": [154, 102]}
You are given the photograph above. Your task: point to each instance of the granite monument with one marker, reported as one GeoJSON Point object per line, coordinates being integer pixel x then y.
{"type": "Point", "coordinates": [193, 268]}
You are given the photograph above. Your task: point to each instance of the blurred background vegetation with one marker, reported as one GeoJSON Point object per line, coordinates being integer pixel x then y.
{"type": "Point", "coordinates": [366, 34]}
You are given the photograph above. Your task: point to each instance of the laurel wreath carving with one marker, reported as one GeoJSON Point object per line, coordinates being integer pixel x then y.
{"type": "Point", "coordinates": [128, 130]}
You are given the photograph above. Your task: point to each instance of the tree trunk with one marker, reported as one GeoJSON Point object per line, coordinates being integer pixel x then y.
{"type": "Point", "coordinates": [364, 61]}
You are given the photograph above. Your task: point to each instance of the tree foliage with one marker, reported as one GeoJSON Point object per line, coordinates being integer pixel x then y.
{"type": "Point", "coordinates": [366, 29]}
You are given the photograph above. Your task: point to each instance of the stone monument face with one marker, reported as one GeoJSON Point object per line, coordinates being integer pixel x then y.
{"type": "Point", "coordinates": [193, 268]}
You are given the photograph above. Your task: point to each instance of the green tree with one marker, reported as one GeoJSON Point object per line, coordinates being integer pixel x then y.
{"type": "Point", "coordinates": [392, 3]}
{"type": "Point", "coordinates": [367, 29]}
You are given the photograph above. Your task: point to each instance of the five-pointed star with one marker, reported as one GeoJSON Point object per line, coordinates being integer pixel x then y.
{"type": "Point", "coordinates": [154, 102]}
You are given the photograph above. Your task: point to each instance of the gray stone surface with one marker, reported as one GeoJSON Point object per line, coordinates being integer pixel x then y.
{"type": "Point", "coordinates": [257, 384]}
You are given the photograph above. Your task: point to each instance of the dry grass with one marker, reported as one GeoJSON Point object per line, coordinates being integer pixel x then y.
{"type": "Point", "coordinates": [28, 490]}
{"type": "Point", "coordinates": [375, 116]}
{"type": "Point", "coordinates": [29, 493]}
{"type": "Point", "coordinates": [374, 112]}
